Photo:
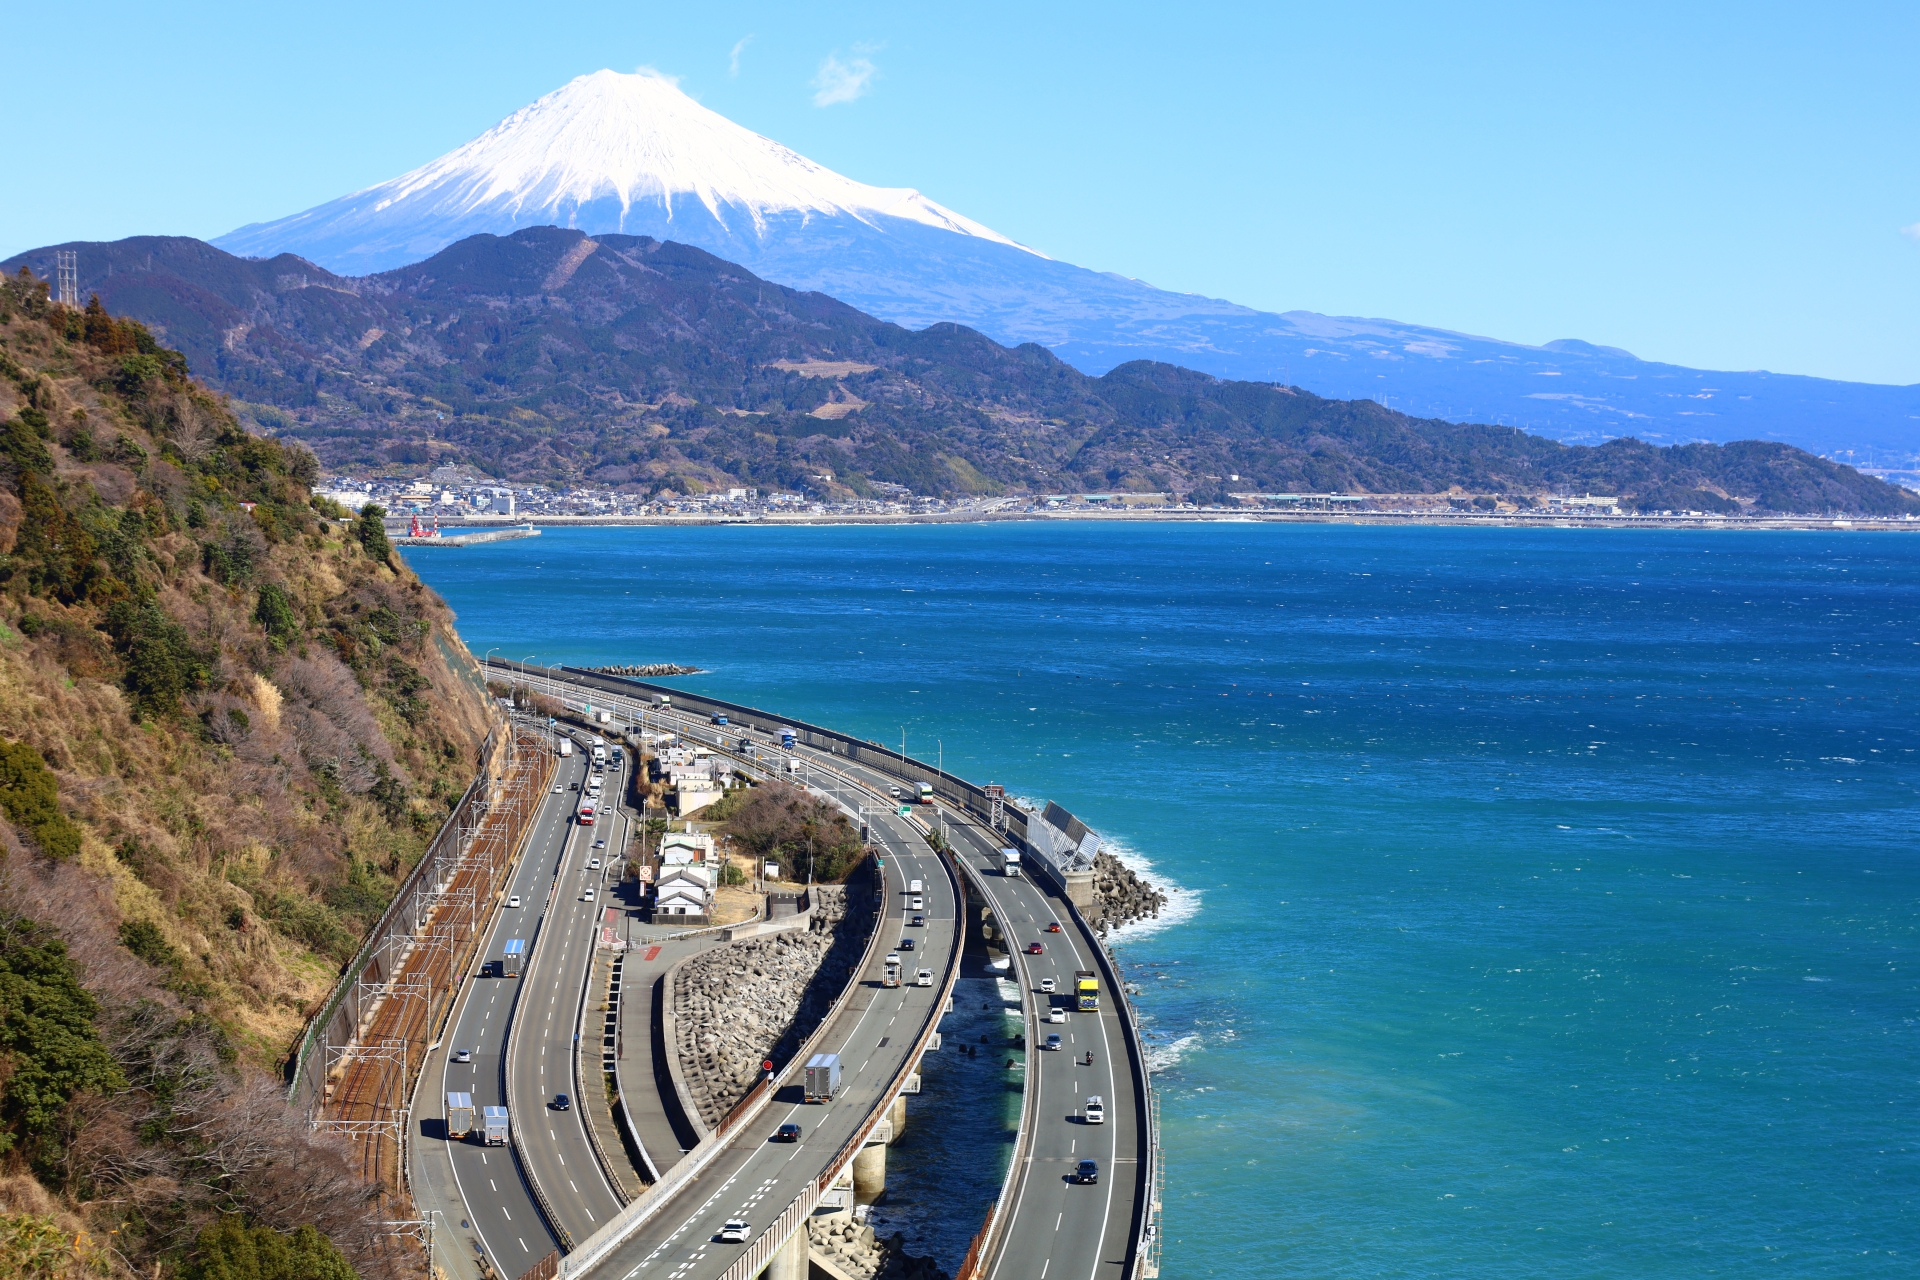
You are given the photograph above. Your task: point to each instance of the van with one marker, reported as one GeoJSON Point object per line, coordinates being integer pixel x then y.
{"type": "Point", "coordinates": [923, 978]}
{"type": "Point", "coordinates": [916, 904]}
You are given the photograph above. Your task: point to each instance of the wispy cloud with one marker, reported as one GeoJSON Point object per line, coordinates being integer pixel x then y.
{"type": "Point", "coordinates": [656, 73]}
{"type": "Point", "coordinates": [733, 59]}
{"type": "Point", "coordinates": [1912, 232]}
{"type": "Point", "coordinates": [838, 81]}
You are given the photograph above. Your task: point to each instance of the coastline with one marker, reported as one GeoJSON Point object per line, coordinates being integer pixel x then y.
{"type": "Point", "coordinates": [1137, 515]}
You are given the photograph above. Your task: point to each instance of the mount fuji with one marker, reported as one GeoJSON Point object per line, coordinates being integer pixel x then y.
{"type": "Point", "coordinates": [609, 153]}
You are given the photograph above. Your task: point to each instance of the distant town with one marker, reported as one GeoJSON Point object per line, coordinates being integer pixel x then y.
{"type": "Point", "coordinates": [450, 499]}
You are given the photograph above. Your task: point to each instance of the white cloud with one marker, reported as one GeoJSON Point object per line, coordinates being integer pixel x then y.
{"type": "Point", "coordinates": [1912, 232]}
{"type": "Point", "coordinates": [838, 81]}
{"type": "Point", "coordinates": [733, 59]}
{"type": "Point", "coordinates": [656, 73]}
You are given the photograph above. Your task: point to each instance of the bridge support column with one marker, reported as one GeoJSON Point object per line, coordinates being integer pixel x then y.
{"type": "Point", "coordinates": [791, 1262]}
{"type": "Point", "coordinates": [897, 1115]}
{"type": "Point", "coordinates": [870, 1169]}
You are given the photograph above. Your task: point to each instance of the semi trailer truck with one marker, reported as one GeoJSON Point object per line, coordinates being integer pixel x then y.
{"type": "Point", "coordinates": [823, 1077]}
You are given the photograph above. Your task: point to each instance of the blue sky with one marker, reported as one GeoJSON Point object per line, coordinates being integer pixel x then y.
{"type": "Point", "coordinates": [1718, 186]}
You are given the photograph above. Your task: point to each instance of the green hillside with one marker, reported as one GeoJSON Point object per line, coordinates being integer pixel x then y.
{"type": "Point", "coordinates": [228, 725]}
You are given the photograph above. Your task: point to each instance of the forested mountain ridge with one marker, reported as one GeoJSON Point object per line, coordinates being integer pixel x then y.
{"type": "Point", "coordinates": [630, 362]}
{"type": "Point", "coordinates": [229, 721]}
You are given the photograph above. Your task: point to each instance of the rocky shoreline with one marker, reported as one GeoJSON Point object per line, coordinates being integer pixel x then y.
{"type": "Point", "coordinates": [857, 1253]}
{"type": "Point", "coordinates": [649, 670]}
{"type": "Point", "coordinates": [760, 998]}
{"type": "Point", "coordinates": [1119, 896]}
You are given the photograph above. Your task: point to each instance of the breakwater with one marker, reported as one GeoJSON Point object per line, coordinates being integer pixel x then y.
{"type": "Point", "coordinates": [1120, 895]}
{"type": "Point", "coordinates": [648, 670]}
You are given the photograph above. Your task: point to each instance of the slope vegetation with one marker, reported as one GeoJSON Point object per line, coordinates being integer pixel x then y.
{"type": "Point", "coordinates": [230, 718]}
{"type": "Point", "coordinates": [626, 361]}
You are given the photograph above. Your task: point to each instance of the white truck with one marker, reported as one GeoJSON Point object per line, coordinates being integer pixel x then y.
{"type": "Point", "coordinates": [566, 747]}
{"type": "Point", "coordinates": [890, 972]}
{"type": "Point", "coordinates": [494, 1121]}
{"type": "Point", "coordinates": [1010, 863]}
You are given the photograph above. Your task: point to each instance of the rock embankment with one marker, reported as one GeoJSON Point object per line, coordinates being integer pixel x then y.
{"type": "Point", "coordinates": [856, 1252]}
{"type": "Point", "coordinates": [760, 998]}
{"type": "Point", "coordinates": [1119, 896]}
{"type": "Point", "coordinates": [649, 670]}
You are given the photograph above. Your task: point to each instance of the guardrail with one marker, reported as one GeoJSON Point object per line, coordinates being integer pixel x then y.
{"type": "Point", "coordinates": [793, 1218]}
{"type": "Point", "coordinates": [513, 1035]}
{"type": "Point", "coordinates": [980, 1248]}
{"type": "Point", "coordinates": [616, 1230]}
{"type": "Point", "coordinates": [960, 794]}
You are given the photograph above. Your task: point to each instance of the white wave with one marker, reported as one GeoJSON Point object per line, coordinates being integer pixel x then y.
{"type": "Point", "coordinates": [1182, 904]}
{"type": "Point", "coordinates": [1163, 1057]}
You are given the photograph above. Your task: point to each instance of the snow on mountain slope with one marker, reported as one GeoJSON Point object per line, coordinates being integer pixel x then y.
{"type": "Point", "coordinates": [611, 153]}
{"type": "Point", "coordinates": [606, 152]}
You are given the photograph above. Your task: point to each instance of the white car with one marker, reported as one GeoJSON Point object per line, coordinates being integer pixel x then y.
{"type": "Point", "coordinates": [587, 896]}
{"type": "Point", "coordinates": [1056, 1015]}
{"type": "Point", "coordinates": [558, 787]}
{"type": "Point", "coordinates": [593, 864]}
{"type": "Point", "coordinates": [514, 901]}
{"type": "Point", "coordinates": [1096, 1112]}
{"type": "Point", "coordinates": [735, 1232]}
{"type": "Point", "coordinates": [1047, 984]}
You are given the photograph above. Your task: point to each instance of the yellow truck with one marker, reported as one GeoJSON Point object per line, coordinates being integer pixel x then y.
{"type": "Point", "coordinates": [1086, 985]}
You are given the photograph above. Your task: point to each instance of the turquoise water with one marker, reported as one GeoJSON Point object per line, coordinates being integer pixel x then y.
{"type": "Point", "coordinates": [1549, 897]}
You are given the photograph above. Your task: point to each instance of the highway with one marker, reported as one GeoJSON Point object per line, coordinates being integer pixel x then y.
{"type": "Point", "coordinates": [1050, 1225]}
{"type": "Point", "coordinates": [546, 1016]}
{"type": "Point", "coordinates": [1054, 1228]}
{"type": "Point", "coordinates": [485, 1189]}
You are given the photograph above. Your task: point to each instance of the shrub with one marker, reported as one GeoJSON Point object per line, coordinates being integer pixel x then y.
{"type": "Point", "coordinates": [30, 797]}
{"type": "Point", "coordinates": [231, 1250]}
{"type": "Point", "coordinates": [373, 533]}
{"type": "Point", "coordinates": [144, 939]}
{"type": "Point", "coordinates": [162, 664]}
{"type": "Point", "coordinates": [276, 614]}
{"type": "Point", "coordinates": [48, 1042]}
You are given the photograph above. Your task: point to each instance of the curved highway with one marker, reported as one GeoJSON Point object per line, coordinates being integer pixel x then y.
{"type": "Point", "coordinates": [1051, 1223]}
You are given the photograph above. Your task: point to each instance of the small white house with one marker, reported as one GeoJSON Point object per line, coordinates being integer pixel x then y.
{"type": "Point", "coordinates": [681, 848]}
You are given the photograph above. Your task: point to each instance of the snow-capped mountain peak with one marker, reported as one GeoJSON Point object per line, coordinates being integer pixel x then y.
{"type": "Point", "coordinates": [639, 138]}
{"type": "Point", "coordinates": [607, 153]}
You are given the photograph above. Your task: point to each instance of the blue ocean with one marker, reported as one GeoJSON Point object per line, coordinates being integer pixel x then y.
{"type": "Point", "coordinates": [1545, 901]}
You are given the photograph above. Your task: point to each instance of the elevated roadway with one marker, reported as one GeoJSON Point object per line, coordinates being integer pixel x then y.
{"type": "Point", "coordinates": [1047, 1224]}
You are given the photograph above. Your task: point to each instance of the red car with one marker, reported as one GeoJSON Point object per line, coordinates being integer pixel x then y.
{"type": "Point", "coordinates": [1035, 949]}
{"type": "Point", "coordinates": [1054, 927]}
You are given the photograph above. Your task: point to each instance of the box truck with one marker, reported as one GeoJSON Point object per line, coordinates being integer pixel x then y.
{"type": "Point", "coordinates": [890, 973]}
{"type": "Point", "coordinates": [786, 738]}
{"type": "Point", "coordinates": [1010, 862]}
{"type": "Point", "coordinates": [566, 747]}
{"type": "Point", "coordinates": [823, 1077]}
{"type": "Point", "coordinates": [494, 1120]}
{"type": "Point", "coordinates": [1086, 985]}
{"type": "Point", "coordinates": [459, 1116]}
{"type": "Point", "coordinates": [925, 792]}
{"type": "Point", "coordinates": [511, 959]}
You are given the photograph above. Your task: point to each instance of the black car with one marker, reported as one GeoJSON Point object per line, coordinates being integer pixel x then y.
{"type": "Point", "coordinates": [561, 1103]}
{"type": "Point", "coordinates": [919, 922]}
{"type": "Point", "coordinates": [906, 944]}
{"type": "Point", "coordinates": [1089, 1172]}
{"type": "Point", "coordinates": [787, 1133]}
